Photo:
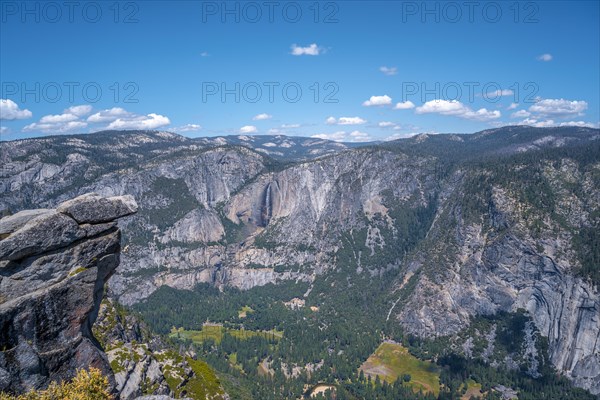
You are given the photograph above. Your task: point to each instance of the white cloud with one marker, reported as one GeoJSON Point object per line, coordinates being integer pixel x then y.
{"type": "Point", "coordinates": [9, 110]}
{"type": "Point", "coordinates": [405, 105]}
{"type": "Point", "coordinates": [335, 136]}
{"type": "Point", "coordinates": [357, 136]}
{"type": "Point", "coordinates": [580, 123]}
{"type": "Point", "coordinates": [550, 123]}
{"type": "Point", "coordinates": [248, 129]}
{"type": "Point", "coordinates": [512, 106]}
{"type": "Point", "coordinates": [72, 119]}
{"type": "Point", "coordinates": [60, 127]}
{"type": "Point", "coordinates": [142, 122]}
{"type": "Point", "coordinates": [388, 125]}
{"type": "Point", "coordinates": [343, 136]}
{"type": "Point", "coordinates": [482, 115]}
{"type": "Point", "coordinates": [409, 128]}
{"type": "Point", "coordinates": [538, 124]}
{"type": "Point", "coordinates": [389, 70]}
{"type": "Point", "coordinates": [499, 93]}
{"type": "Point", "coordinates": [261, 117]}
{"type": "Point", "coordinates": [283, 129]}
{"type": "Point", "coordinates": [446, 107]}
{"type": "Point", "coordinates": [3, 129]}
{"type": "Point", "coordinates": [545, 57]}
{"type": "Point", "coordinates": [68, 121]}
{"type": "Point", "coordinates": [59, 118]}
{"type": "Point", "coordinates": [558, 107]}
{"type": "Point", "coordinates": [384, 100]}
{"type": "Point", "coordinates": [79, 111]}
{"type": "Point", "coordinates": [311, 50]}
{"type": "Point", "coordinates": [68, 115]}
{"type": "Point", "coordinates": [351, 121]}
{"type": "Point", "coordinates": [396, 136]}
{"type": "Point", "coordinates": [204, 54]}
{"type": "Point", "coordinates": [108, 115]}
{"type": "Point", "coordinates": [345, 121]}
{"type": "Point", "coordinates": [520, 114]}
{"type": "Point", "coordinates": [187, 128]}
{"type": "Point", "coordinates": [458, 109]}
{"type": "Point", "coordinates": [120, 118]}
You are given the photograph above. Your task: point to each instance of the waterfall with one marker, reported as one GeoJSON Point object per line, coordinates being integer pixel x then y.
{"type": "Point", "coordinates": [267, 207]}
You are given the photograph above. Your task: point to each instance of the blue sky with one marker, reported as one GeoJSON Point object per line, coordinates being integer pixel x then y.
{"type": "Point", "coordinates": [367, 70]}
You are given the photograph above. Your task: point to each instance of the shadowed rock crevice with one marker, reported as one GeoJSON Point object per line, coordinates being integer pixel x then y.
{"type": "Point", "coordinates": [54, 265]}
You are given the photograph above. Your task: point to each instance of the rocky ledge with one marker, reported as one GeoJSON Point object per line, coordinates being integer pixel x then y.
{"type": "Point", "coordinates": [54, 264]}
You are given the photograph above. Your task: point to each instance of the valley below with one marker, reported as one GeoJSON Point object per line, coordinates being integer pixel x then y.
{"type": "Point", "coordinates": [435, 267]}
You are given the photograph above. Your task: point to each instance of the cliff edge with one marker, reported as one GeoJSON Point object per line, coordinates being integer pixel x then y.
{"type": "Point", "coordinates": [54, 264]}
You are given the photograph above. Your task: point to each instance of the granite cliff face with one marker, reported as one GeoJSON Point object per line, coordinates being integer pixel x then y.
{"type": "Point", "coordinates": [514, 256]}
{"type": "Point", "coordinates": [54, 264]}
{"type": "Point", "coordinates": [470, 228]}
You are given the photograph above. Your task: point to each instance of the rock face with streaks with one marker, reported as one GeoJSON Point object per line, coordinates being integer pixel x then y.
{"type": "Point", "coordinates": [511, 257]}
{"type": "Point", "coordinates": [53, 268]}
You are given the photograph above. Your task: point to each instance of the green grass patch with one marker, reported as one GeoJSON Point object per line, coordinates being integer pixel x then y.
{"type": "Point", "coordinates": [244, 311]}
{"type": "Point", "coordinates": [392, 361]}
{"type": "Point", "coordinates": [204, 384]}
{"type": "Point", "coordinates": [473, 389]}
{"type": "Point", "coordinates": [216, 332]}
{"type": "Point", "coordinates": [234, 362]}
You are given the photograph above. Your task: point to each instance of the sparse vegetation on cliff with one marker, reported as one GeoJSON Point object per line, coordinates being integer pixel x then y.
{"type": "Point", "coordinates": [86, 385]}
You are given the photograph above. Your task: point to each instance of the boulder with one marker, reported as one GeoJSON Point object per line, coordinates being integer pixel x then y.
{"type": "Point", "coordinates": [93, 209]}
